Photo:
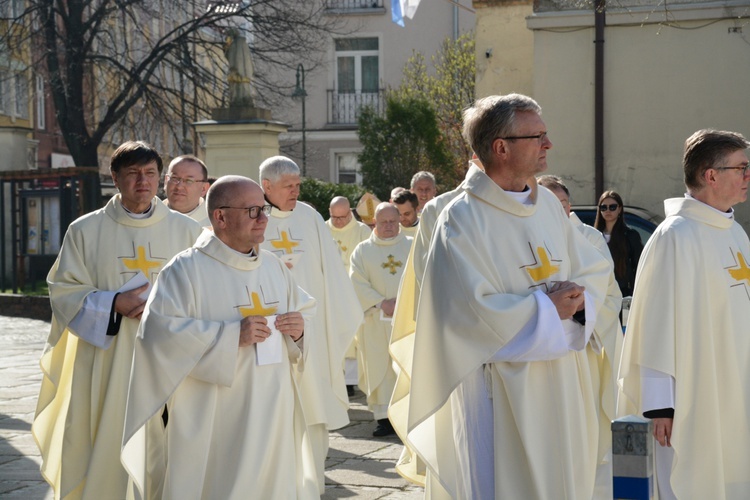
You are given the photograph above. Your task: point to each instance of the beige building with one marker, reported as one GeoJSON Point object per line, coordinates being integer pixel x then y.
{"type": "Point", "coordinates": [357, 69]}
{"type": "Point", "coordinates": [668, 71]}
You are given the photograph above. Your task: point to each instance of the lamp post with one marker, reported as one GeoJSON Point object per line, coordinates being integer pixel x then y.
{"type": "Point", "coordinates": [299, 92]}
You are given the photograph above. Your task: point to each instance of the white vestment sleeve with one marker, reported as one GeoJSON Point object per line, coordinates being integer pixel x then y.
{"type": "Point", "coordinates": [218, 363]}
{"type": "Point", "coordinates": [92, 321]}
{"type": "Point", "coordinates": [545, 336]}
{"type": "Point", "coordinates": [657, 390]}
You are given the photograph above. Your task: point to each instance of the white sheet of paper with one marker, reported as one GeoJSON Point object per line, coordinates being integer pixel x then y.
{"type": "Point", "coordinates": [135, 282]}
{"type": "Point", "coordinates": [269, 351]}
{"type": "Point", "coordinates": [291, 258]}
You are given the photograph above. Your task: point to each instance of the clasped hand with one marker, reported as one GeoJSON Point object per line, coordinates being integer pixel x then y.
{"type": "Point", "coordinates": [567, 298]}
{"type": "Point", "coordinates": [254, 329]}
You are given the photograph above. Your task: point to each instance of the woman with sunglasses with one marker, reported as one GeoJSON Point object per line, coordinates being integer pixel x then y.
{"type": "Point", "coordinates": [624, 243]}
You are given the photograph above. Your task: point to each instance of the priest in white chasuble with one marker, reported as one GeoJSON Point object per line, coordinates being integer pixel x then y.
{"type": "Point", "coordinates": [686, 359]}
{"type": "Point", "coordinates": [221, 345]}
{"type": "Point", "coordinates": [297, 234]}
{"type": "Point", "coordinates": [501, 404]}
{"type": "Point", "coordinates": [347, 232]}
{"type": "Point", "coordinates": [186, 184]}
{"type": "Point", "coordinates": [98, 288]}
{"type": "Point", "coordinates": [377, 266]}
{"type": "Point", "coordinates": [604, 355]}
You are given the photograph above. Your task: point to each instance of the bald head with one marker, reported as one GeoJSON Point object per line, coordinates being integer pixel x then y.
{"type": "Point", "coordinates": [341, 212]}
{"type": "Point", "coordinates": [386, 220]}
{"type": "Point", "coordinates": [229, 201]}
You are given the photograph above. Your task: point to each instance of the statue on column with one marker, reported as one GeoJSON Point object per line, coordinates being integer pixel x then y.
{"type": "Point", "coordinates": [237, 52]}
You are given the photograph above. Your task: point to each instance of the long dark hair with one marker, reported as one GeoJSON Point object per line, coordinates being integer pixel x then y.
{"type": "Point", "coordinates": [618, 243]}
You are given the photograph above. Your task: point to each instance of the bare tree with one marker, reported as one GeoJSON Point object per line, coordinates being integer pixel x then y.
{"type": "Point", "coordinates": [119, 67]}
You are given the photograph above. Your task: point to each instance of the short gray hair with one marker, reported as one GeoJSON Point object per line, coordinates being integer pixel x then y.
{"type": "Point", "coordinates": [492, 117]}
{"type": "Point", "coordinates": [422, 175]}
{"type": "Point", "coordinates": [276, 167]}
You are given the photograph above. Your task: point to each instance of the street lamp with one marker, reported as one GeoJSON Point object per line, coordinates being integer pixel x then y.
{"type": "Point", "coordinates": [299, 92]}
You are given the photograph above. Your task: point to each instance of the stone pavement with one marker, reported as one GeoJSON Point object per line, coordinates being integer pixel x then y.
{"type": "Point", "coordinates": [358, 465]}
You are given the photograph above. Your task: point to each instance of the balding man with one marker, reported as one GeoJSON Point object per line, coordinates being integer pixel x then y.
{"type": "Point", "coordinates": [347, 232]}
{"type": "Point", "coordinates": [424, 186]}
{"type": "Point", "coordinates": [223, 358]}
{"type": "Point", "coordinates": [186, 183]}
{"type": "Point", "coordinates": [298, 234]}
{"type": "Point", "coordinates": [377, 266]}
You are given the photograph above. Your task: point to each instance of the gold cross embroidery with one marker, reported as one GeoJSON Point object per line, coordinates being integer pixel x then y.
{"type": "Point", "coordinates": [140, 262]}
{"type": "Point", "coordinates": [545, 268]}
{"type": "Point", "coordinates": [392, 264]}
{"type": "Point", "coordinates": [257, 309]}
{"type": "Point", "coordinates": [742, 272]}
{"type": "Point", "coordinates": [341, 245]}
{"type": "Point", "coordinates": [284, 243]}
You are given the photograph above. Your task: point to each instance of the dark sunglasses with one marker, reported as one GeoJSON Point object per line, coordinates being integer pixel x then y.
{"type": "Point", "coordinates": [611, 207]}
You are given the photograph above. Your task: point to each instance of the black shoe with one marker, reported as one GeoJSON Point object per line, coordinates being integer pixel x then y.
{"type": "Point", "coordinates": [350, 390]}
{"type": "Point", "coordinates": [384, 428]}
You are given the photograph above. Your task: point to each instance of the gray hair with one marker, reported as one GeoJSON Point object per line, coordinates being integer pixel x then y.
{"type": "Point", "coordinates": [422, 175]}
{"type": "Point", "coordinates": [553, 182]}
{"type": "Point", "coordinates": [276, 167]}
{"type": "Point", "coordinates": [492, 117]}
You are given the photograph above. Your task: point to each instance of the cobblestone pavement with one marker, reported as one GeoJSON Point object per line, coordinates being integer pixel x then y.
{"type": "Point", "coordinates": [358, 465]}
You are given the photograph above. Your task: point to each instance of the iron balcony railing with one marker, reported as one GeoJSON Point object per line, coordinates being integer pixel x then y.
{"type": "Point", "coordinates": [344, 5]}
{"type": "Point", "coordinates": [344, 107]}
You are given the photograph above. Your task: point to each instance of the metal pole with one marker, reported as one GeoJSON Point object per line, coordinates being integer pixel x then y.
{"type": "Point", "coordinates": [599, 22]}
{"type": "Point", "coordinates": [304, 125]}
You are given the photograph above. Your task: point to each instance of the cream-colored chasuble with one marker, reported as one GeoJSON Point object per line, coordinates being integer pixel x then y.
{"type": "Point", "coordinates": [348, 237]}
{"type": "Point", "coordinates": [199, 214]}
{"type": "Point", "coordinates": [489, 254]}
{"type": "Point", "coordinates": [319, 272]}
{"type": "Point", "coordinates": [604, 361]}
{"type": "Point", "coordinates": [410, 231]}
{"type": "Point", "coordinates": [81, 408]}
{"type": "Point", "coordinates": [236, 429]}
{"type": "Point", "coordinates": [690, 320]}
{"type": "Point", "coordinates": [377, 266]}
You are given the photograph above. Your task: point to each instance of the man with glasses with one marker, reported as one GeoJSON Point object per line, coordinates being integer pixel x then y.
{"type": "Point", "coordinates": [687, 346]}
{"type": "Point", "coordinates": [98, 289]}
{"type": "Point", "coordinates": [377, 266]}
{"type": "Point", "coordinates": [186, 184]}
{"type": "Point", "coordinates": [347, 232]}
{"type": "Point", "coordinates": [501, 404]}
{"type": "Point", "coordinates": [224, 358]}
{"type": "Point", "coordinates": [298, 235]}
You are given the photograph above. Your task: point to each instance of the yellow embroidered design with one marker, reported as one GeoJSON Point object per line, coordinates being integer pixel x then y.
{"type": "Point", "coordinates": [140, 262]}
{"type": "Point", "coordinates": [257, 309]}
{"type": "Point", "coordinates": [284, 243]}
{"type": "Point", "coordinates": [545, 268]}
{"type": "Point", "coordinates": [743, 271]}
{"type": "Point", "coordinates": [392, 264]}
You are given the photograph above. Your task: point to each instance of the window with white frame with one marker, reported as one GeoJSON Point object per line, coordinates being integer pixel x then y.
{"type": "Point", "coordinates": [357, 65]}
{"type": "Point", "coordinates": [41, 122]}
{"type": "Point", "coordinates": [347, 168]}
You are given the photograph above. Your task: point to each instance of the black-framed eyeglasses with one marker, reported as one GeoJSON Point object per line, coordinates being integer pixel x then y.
{"type": "Point", "coordinates": [611, 207]}
{"type": "Point", "coordinates": [180, 180]}
{"type": "Point", "coordinates": [540, 137]}
{"type": "Point", "coordinates": [253, 212]}
{"type": "Point", "coordinates": [744, 168]}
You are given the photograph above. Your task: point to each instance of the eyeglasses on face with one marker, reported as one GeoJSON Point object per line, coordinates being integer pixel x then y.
{"type": "Point", "coordinates": [179, 180]}
{"type": "Point", "coordinates": [744, 168]}
{"type": "Point", "coordinates": [253, 212]}
{"type": "Point", "coordinates": [539, 137]}
{"type": "Point", "coordinates": [611, 207]}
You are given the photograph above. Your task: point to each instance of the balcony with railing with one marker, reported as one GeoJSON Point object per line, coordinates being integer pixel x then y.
{"type": "Point", "coordinates": [355, 7]}
{"type": "Point", "coordinates": [344, 107]}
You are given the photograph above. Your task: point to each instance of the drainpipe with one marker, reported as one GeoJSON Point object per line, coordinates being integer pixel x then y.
{"type": "Point", "coordinates": [455, 22]}
{"type": "Point", "coordinates": [599, 22]}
